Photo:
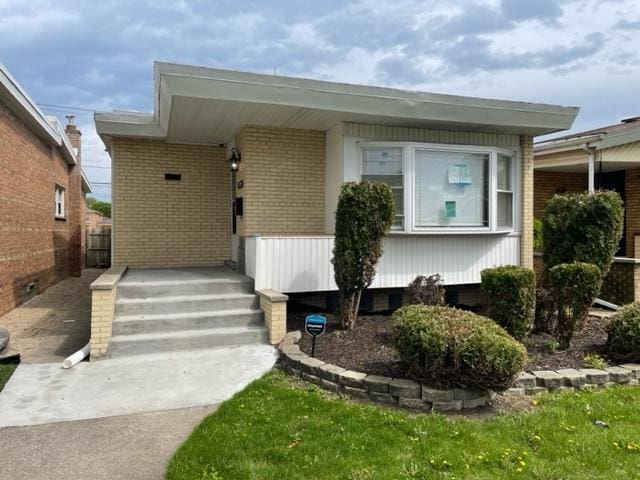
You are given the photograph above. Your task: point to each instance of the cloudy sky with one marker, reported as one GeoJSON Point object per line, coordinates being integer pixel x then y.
{"type": "Point", "coordinates": [98, 55]}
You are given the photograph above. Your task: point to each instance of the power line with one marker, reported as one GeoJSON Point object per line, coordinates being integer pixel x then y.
{"type": "Point", "coordinates": [67, 107]}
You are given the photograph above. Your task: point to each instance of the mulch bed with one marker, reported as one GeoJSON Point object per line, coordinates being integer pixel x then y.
{"type": "Point", "coordinates": [368, 348]}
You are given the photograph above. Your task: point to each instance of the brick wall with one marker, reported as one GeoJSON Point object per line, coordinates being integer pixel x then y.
{"type": "Point", "coordinates": [547, 184]}
{"type": "Point", "coordinates": [526, 240]}
{"type": "Point", "coordinates": [632, 210]}
{"type": "Point", "coordinates": [283, 175]}
{"type": "Point", "coordinates": [34, 246]}
{"type": "Point", "coordinates": [158, 222]}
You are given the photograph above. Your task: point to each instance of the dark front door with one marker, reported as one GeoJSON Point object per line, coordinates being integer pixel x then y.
{"type": "Point", "coordinates": [615, 181]}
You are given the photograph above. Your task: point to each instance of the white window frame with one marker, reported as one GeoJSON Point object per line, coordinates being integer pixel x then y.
{"type": "Point", "coordinates": [409, 149]}
{"type": "Point", "coordinates": [61, 190]}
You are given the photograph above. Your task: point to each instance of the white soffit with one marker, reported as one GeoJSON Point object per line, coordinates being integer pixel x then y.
{"type": "Point", "coordinates": [205, 105]}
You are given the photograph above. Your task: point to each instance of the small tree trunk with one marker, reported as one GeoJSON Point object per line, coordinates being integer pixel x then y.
{"type": "Point", "coordinates": [349, 306]}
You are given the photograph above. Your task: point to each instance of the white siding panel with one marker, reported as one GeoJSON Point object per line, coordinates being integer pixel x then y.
{"type": "Point", "coordinates": [303, 264]}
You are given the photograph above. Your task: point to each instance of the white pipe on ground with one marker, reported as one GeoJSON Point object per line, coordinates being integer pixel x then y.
{"type": "Point", "coordinates": [604, 303]}
{"type": "Point", "coordinates": [77, 357]}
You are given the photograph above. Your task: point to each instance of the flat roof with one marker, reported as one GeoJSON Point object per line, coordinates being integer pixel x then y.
{"type": "Point", "coordinates": [208, 106]}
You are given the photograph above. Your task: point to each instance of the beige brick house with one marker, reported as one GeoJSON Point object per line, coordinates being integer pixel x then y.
{"type": "Point", "coordinates": [605, 158]}
{"type": "Point", "coordinates": [461, 170]}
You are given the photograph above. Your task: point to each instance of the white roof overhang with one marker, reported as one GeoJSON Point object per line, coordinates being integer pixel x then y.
{"type": "Point", "coordinates": [208, 106]}
{"type": "Point", "coordinates": [17, 100]}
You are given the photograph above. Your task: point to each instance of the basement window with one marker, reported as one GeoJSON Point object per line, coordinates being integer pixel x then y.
{"type": "Point", "coordinates": [59, 202]}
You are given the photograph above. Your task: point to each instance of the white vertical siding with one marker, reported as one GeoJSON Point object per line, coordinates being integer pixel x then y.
{"type": "Point", "coordinates": [303, 264]}
{"type": "Point", "coordinates": [250, 246]}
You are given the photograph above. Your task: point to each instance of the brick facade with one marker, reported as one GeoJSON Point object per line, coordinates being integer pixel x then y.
{"type": "Point", "coordinates": [283, 174]}
{"type": "Point", "coordinates": [547, 184]}
{"type": "Point", "coordinates": [35, 248]}
{"type": "Point", "coordinates": [168, 223]}
{"type": "Point", "coordinates": [526, 218]}
{"type": "Point", "coordinates": [632, 210]}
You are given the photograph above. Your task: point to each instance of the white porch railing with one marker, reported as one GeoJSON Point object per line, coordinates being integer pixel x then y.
{"type": "Point", "coordinates": [303, 264]}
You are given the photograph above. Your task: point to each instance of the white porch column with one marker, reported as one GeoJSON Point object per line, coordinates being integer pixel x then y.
{"type": "Point", "coordinates": [591, 160]}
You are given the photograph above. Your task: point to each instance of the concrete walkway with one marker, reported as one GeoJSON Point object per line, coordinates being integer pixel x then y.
{"type": "Point", "coordinates": [132, 447]}
{"type": "Point", "coordinates": [46, 393]}
{"type": "Point", "coordinates": [54, 324]}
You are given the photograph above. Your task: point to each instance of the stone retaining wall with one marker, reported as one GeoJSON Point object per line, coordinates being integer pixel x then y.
{"type": "Point", "coordinates": [410, 394]}
{"type": "Point", "coordinates": [385, 390]}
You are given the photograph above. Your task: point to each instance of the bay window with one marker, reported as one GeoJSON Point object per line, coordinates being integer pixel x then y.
{"type": "Point", "coordinates": [445, 188]}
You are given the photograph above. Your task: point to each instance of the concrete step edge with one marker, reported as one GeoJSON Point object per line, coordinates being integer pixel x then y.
{"type": "Point", "coordinates": [184, 334]}
{"type": "Point", "coordinates": [187, 315]}
{"type": "Point", "coordinates": [185, 298]}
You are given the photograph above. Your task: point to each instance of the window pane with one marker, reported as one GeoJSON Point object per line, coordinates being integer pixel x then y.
{"type": "Point", "coordinates": [384, 165]}
{"type": "Point", "coordinates": [382, 161]}
{"type": "Point", "coordinates": [504, 172]}
{"type": "Point", "coordinates": [505, 209]}
{"type": "Point", "coordinates": [451, 189]}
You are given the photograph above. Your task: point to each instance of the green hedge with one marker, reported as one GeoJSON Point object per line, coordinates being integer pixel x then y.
{"type": "Point", "coordinates": [574, 286]}
{"type": "Point", "coordinates": [444, 346]}
{"type": "Point", "coordinates": [623, 340]}
{"type": "Point", "coordinates": [510, 293]}
{"type": "Point", "coordinates": [583, 227]}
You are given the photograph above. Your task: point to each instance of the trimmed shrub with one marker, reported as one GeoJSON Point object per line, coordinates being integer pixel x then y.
{"type": "Point", "coordinates": [364, 216]}
{"type": "Point", "coordinates": [582, 227]}
{"type": "Point", "coordinates": [575, 286]}
{"type": "Point", "coordinates": [538, 243]}
{"type": "Point", "coordinates": [623, 340]}
{"type": "Point", "coordinates": [426, 290]}
{"type": "Point", "coordinates": [510, 292]}
{"type": "Point", "coordinates": [444, 346]}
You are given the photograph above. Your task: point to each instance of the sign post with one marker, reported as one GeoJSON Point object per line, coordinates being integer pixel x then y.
{"type": "Point", "coordinates": [315, 325]}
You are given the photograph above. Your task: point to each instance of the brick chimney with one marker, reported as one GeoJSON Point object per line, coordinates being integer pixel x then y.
{"type": "Point", "coordinates": [73, 134]}
{"type": "Point", "coordinates": [77, 201]}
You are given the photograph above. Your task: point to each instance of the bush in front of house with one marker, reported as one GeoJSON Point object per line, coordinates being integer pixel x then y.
{"type": "Point", "coordinates": [575, 286]}
{"type": "Point", "coordinates": [364, 216]}
{"type": "Point", "coordinates": [444, 346]}
{"type": "Point", "coordinates": [538, 242]}
{"type": "Point", "coordinates": [426, 290]}
{"type": "Point", "coordinates": [582, 227]}
{"type": "Point", "coordinates": [623, 339]}
{"type": "Point", "coordinates": [510, 293]}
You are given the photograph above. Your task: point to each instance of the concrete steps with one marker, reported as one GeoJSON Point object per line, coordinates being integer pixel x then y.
{"type": "Point", "coordinates": [184, 340]}
{"type": "Point", "coordinates": [183, 310]}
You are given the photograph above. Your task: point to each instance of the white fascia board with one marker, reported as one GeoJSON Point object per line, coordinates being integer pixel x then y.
{"type": "Point", "coordinates": [557, 146]}
{"type": "Point", "coordinates": [130, 124]}
{"type": "Point", "coordinates": [68, 152]}
{"type": "Point", "coordinates": [369, 101]}
{"type": "Point", "coordinates": [28, 108]}
{"type": "Point", "coordinates": [86, 184]}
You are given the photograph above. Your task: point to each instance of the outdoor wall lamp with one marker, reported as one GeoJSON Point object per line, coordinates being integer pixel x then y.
{"type": "Point", "coordinates": [235, 159]}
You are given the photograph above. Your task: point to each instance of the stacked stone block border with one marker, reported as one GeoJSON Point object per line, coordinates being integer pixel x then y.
{"type": "Point", "coordinates": [274, 306]}
{"type": "Point", "coordinates": [539, 381]}
{"type": "Point", "coordinates": [103, 301]}
{"type": "Point", "coordinates": [398, 392]}
{"type": "Point", "coordinates": [410, 394]}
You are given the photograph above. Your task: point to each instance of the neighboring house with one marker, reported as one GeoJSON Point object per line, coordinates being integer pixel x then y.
{"type": "Point", "coordinates": [95, 221]}
{"type": "Point", "coordinates": [42, 192]}
{"type": "Point", "coordinates": [605, 158]}
{"type": "Point", "coordinates": [461, 170]}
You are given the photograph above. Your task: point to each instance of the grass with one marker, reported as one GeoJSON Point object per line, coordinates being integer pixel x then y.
{"type": "Point", "coordinates": [278, 429]}
{"type": "Point", "coordinates": [6, 370]}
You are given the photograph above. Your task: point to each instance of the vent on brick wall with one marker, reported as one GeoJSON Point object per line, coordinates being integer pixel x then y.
{"type": "Point", "coordinates": [172, 176]}
{"type": "Point", "coordinates": [30, 291]}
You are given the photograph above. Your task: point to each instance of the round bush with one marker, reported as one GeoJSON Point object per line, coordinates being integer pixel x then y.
{"type": "Point", "coordinates": [445, 346]}
{"type": "Point", "coordinates": [510, 292]}
{"type": "Point", "coordinates": [623, 341]}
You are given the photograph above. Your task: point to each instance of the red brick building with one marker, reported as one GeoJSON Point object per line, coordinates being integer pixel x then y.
{"type": "Point", "coordinates": [42, 191]}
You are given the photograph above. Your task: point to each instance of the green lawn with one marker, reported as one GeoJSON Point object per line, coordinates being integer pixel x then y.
{"type": "Point", "coordinates": [5, 373]}
{"type": "Point", "coordinates": [278, 429]}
